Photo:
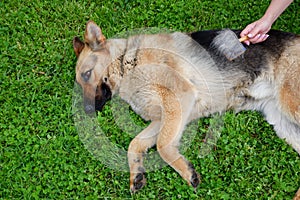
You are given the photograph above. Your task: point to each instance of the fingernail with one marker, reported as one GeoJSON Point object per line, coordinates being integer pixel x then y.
{"type": "Point", "coordinates": [250, 35]}
{"type": "Point", "coordinates": [265, 36]}
{"type": "Point", "coordinates": [247, 42]}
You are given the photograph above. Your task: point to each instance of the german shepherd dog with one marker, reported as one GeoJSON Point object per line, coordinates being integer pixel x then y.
{"type": "Point", "coordinates": [171, 79]}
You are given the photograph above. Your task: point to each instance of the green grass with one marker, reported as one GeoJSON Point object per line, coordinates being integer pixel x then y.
{"type": "Point", "coordinates": [41, 153]}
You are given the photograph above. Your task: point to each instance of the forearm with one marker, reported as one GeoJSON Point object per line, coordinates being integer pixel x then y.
{"type": "Point", "coordinates": [275, 9]}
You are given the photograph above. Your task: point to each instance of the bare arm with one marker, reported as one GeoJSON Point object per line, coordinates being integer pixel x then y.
{"type": "Point", "coordinates": [276, 8]}
{"type": "Point", "coordinates": [257, 31]}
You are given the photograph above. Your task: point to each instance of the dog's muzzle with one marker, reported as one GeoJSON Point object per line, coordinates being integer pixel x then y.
{"type": "Point", "coordinates": [103, 94]}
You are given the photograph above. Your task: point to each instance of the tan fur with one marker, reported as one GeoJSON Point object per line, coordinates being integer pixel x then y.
{"type": "Point", "coordinates": [170, 80]}
{"type": "Point", "coordinates": [297, 196]}
{"type": "Point", "coordinates": [289, 68]}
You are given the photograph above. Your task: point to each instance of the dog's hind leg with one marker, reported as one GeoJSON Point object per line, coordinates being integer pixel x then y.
{"type": "Point", "coordinates": [288, 131]}
{"type": "Point", "coordinates": [284, 127]}
{"type": "Point", "coordinates": [138, 146]}
{"type": "Point", "coordinates": [176, 111]}
{"type": "Point", "coordinates": [276, 111]}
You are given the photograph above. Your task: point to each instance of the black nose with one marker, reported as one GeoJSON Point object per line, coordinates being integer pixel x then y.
{"type": "Point", "coordinates": [89, 109]}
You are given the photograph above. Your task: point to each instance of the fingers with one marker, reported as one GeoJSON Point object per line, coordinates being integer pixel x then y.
{"type": "Point", "coordinates": [257, 38]}
{"type": "Point", "coordinates": [255, 33]}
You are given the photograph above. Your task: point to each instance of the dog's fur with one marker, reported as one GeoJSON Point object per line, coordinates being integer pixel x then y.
{"type": "Point", "coordinates": [171, 79]}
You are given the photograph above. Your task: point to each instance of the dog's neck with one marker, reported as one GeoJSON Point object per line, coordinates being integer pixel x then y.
{"type": "Point", "coordinates": [121, 64]}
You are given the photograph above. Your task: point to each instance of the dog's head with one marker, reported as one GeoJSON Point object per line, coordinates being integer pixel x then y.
{"type": "Point", "coordinates": [93, 59]}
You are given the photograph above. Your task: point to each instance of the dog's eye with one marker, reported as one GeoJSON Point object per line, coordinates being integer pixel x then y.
{"type": "Point", "coordinates": [86, 76]}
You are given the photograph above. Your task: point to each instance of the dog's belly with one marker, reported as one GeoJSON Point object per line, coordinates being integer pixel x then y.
{"type": "Point", "coordinates": [243, 97]}
{"type": "Point", "coordinates": [257, 95]}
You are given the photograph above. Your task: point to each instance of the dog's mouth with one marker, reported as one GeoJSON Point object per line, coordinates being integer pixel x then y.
{"type": "Point", "coordinates": [102, 95]}
{"type": "Point", "coordinates": [105, 96]}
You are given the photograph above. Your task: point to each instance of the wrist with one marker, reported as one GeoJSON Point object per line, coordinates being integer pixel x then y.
{"type": "Point", "coordinates": [269, 18]}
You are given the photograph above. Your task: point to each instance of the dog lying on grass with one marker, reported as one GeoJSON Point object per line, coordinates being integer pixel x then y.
{"type": "Point", "coordinates": [172, 79]}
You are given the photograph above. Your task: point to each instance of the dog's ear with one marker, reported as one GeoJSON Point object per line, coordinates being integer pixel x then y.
{"type": "Point", "coordinates": [78, 45]}
{"type": "Point", "coordinates": [93, 36]}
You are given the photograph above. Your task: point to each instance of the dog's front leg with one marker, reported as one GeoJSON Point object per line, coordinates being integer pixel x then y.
{"type": "Point", "coordinates": [138, 146]}
{"type": "Point", "coordinates": [297, 196]}
{"type": "Point", "coordinates": [176, 110]}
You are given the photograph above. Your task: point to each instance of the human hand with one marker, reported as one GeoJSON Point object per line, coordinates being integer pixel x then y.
{"type": "Point", "coordinates": [257, 31]}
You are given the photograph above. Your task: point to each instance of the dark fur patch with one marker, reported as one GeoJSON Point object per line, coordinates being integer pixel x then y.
{"type": "Point", "coordinates": [255, 58]}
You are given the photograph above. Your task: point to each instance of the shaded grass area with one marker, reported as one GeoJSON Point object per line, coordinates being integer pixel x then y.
{"type": "Point", "coordinates": [41, 154]}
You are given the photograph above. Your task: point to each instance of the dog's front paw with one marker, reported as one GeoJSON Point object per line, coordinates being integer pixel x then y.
{"type": "Point", "coordinates": [195, 177]}
{"type": "Point", "coordinates": [137, 180]}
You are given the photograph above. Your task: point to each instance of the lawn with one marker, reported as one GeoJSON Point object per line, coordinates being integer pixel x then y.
{"type": "Point", "coordinates": [43, 153]}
